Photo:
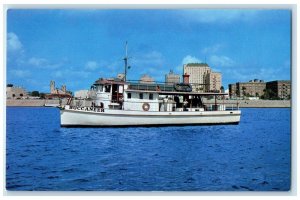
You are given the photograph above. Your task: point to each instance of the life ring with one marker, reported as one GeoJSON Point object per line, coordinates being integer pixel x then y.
{"type": "Point", "coordinates": [146, 106]}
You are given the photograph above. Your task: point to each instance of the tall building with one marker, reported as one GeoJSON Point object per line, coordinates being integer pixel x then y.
{"type": "Point", "coordinates": [279, 89]}
{"type": "Point", "coordinates": [202, 78]}
{"type": "Point", "coordinates": [214, 81]}
{"type": "Point", "coordinates": [146, 79]}
{"type": "Point", "coordinates": [172, 78]}
{"type": "Point", "coordinates": [197, 72]}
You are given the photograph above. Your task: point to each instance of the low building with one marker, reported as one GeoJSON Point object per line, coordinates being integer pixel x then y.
{"type": "Point", "coordinates": [279, 89]}
{"type": "Point", "coordinates": [13, 92]}
{"type": "Point", "coordinates": [253, 88]}
{"type": "Point", "coordinates": [146, 79]}
{"type": "Point", "coordinates": [81, 94]}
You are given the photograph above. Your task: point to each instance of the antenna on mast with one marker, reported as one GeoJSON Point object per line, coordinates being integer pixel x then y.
{"type": "Point", "coordinates": [125, 60]}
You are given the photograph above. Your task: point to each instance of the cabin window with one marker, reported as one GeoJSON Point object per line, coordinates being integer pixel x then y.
{"type": "Point", "coordinates": [129, 96]}
{"type": "Point", "coordinates": [100, 88]}
{"type": "Point", "coordinates": [141, 96]}
{"type": "Point", "coordinates": [150, 96]}
{"type": "Point", "coordinates": [107, 88]}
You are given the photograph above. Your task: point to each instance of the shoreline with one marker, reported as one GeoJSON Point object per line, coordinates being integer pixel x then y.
{"type": "Point", "coordinates": [242, 103]}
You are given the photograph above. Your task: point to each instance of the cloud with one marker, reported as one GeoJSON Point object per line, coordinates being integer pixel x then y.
{"type": "Point", "coordinates": [219, 16]}
{"type": "Point", "coordinates": [222, 61]}
{"type": "Point", "coordinates": [38, 61]}
{"type": "Point", "coordinates": [212, 49]}
{"type": "Point", "coordinates": [190, 59]}
{"type": "Point", "coordinates": [70, 73]}
{"type": "Point", "coordinates": [43, 63]}
{"type": "Point", "coordinates": [147, 60]}
{"type": "Point", "coordinates": [91, 65]}
{"type": "Point", "coordinates": [20, 73]}
{"type": "Point", "coordinates": [13, 43]}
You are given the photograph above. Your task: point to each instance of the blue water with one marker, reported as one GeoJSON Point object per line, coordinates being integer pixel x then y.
{"type": "Point", "coordinates": [254, 155]}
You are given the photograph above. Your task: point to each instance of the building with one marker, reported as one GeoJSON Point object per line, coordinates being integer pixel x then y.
{"type": "Point", "coordinates": [202, 78]}
{"type": "Point", "coordinates": [279, 89]}
{"type": "Point", "coordinates": [81, 94]}
{"type": "Point", "coordinates": [15, 92]}
{"type": "Point", "coordinates": [253, 88]}
{"type": "Point", "coordinates": [214, 81]}
{"type": "Point", "coordinates": [172, 78]}
{"type": "Point", "coordinates": [197, 72]}
{"type": "Point", "coordinates": [232, 90]}
{"type": "Point", "coordinates": [57, 93]}
{"type": "Point", "coordinates": [146, 79]}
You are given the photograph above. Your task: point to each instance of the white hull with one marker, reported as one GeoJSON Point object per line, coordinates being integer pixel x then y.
{"type": "Point", "coordinates": [71, 118]}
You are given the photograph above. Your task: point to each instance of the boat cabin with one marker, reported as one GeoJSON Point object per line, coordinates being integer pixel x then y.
{"type": "Point", "coordinates": [120, 95]}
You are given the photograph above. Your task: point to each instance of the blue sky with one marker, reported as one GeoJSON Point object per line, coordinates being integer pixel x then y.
{"type": "Point", "coordinates": [76, 47]}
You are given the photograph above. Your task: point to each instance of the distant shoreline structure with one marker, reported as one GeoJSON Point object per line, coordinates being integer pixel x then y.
{"type": "Point", "coordinates": [242, 103]}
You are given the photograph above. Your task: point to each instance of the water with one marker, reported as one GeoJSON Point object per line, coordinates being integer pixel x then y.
{"type": "Point", "coordinates": [254, 155]}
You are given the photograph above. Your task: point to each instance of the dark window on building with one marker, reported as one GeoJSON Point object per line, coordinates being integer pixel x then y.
{"type": "Point", "coordinates": [141, 96]}
{"type": "Point", "coordinates": [129, 96]}
{"type": "Point", "coordinates": [151, 96]}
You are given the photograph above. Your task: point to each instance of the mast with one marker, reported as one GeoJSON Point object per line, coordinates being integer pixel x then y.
{"type": "Point", "coordinates": [125, 60]}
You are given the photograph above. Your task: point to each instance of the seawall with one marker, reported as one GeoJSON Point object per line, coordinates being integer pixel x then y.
{"type": "Point", "coordinates": [242, 103]}
{"type": "Point", "coordinates": [255, 103]}
{"type": "Point", "coordinates": [43, 102]}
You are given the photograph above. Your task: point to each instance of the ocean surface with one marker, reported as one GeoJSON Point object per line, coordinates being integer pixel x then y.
{"type": "Point", "coordinates": [252, 156]}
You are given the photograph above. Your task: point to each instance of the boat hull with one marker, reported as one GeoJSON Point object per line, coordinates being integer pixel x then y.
{"type": "Point", "coordinates": [120, 118]}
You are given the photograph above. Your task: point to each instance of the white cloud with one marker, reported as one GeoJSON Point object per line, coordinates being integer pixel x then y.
{"type": "Point", "coordinates": [91, 65]}
{"type": "Point", "coordinates": [190, 59]}
{"type": "Point", "coordinates": [43, 63]}
{"type": "Point", "coordinates": [212, 49]}
{"type": "Point", "coordinates": [13, 43]}
{"type": "Point", "coordinates": [20, 73]}
{"type": "Point", "coordinates": [58, 74]}
{"type": "Point", "coordinates": [219, 16]}
{"type": "Point", "coordinates": [152, 58]}
{"type": "Point", "coordinates": [37, 61]}
{"type": "Point", "coordinates": [70, 73]}
{"type": "Point", "coordinates": [222, 61]}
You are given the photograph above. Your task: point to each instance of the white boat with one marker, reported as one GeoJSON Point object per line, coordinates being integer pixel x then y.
{"type": "Point", "coordinates": [121, 103]}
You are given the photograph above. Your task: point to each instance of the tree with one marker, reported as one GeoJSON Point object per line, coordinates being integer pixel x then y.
{"type": "Point", "coordinates": [42, 95]}
{"type": "Point", "coordinates": [222, 89]}
{"type": "Point", "coordinates": [35, 93]}
{"type": "Point", "coordinates": [244, 90]}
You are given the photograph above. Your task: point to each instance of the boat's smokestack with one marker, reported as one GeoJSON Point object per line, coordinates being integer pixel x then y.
{"type": "Point", "coordinates": [186, 78]}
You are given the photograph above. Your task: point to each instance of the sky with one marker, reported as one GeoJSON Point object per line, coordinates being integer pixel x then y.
{"type": "Point", "coordinates": [76, 47]}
